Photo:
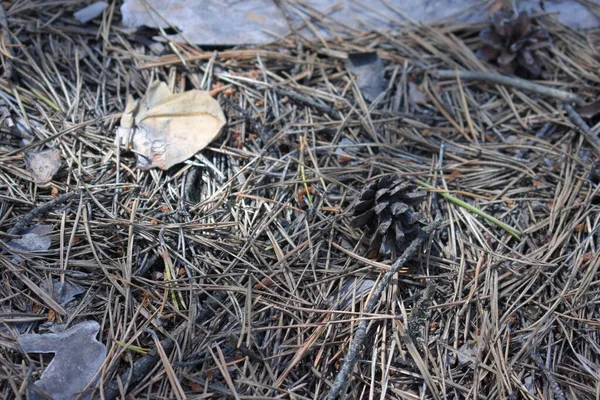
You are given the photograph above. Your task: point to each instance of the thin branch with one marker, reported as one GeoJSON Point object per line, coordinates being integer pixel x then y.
{"type": "Point", "coordinates": [583, 127]}
{"type": "Point", "coordinates": [39, 211]}
{"type": "Point", "coordinates": [561, 95]}
{"type": "Point", "coordinates": [420, 314]}
{"type": "Point", "coordinates": [359, 337]}
{"type": "Point", "coordinates": [308, 101]}
{"type": "Point", "coordinates": [545, 131]}
{"type": "Point", "coordinates": [554, 386]}
{"type": "Point", "coordinates": [137, 372]}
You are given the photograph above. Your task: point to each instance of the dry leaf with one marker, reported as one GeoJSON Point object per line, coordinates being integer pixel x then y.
{"type": "Point", "coordinates": [346, 149]}
{"type": "Point", "coordinates": [369, 71]}
{"type": "Point", "coordinates": [352, 291]}
{"type": "Point", "coordinates": [62, 292]}
{"type": "Point", "coordinates": [90, 12]}
{"type": "Point", "coordinates": [78, 356]}
{"type": "Point", "coordinates": [33, 239]}
{"type": "Point", "coordinates": [164, 129]}
{"type": "Point", "coordinates": [43, 165]}
{"type": "Point", "coordinates": [415, 95]}
{"type": "Point", "coordinates": [589, 110]}
{"type": "Point", "coordinates": [467, 353]}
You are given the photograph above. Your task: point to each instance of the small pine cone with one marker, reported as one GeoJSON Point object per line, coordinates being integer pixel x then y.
{"type": "Point", "coordinates": [513, 41]}
{"type": "Point", "coordinates": [386, 209]}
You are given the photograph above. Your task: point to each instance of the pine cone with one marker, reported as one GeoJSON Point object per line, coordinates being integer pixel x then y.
{"type": "Point", "coordinates": [386, 210]}
{"type": "Point", "coordinates": [513, 41]}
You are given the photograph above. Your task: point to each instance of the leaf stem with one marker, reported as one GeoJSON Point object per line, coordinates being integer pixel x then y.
{"type": "Point", "coordinates": [512, 231]}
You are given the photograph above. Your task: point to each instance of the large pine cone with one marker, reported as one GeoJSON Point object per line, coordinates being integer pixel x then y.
{"type": "Point", "coordinates": [514, 41]}
{"type": "Point", "coordinates": [386, 209]}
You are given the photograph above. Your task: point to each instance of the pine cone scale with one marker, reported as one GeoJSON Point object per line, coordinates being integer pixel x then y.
{"type": "Point", "coordinates": [413, 199]}
{"type": "Point", "coordinates": [363, 206]}
{"type": "Point", "coordinates": [399, 232]}
{"type": "Point", "coordinates": [506, 58]}
{"type": "Point", "coordinates": [385, 221]}
{"type": "Point", "coordinates": [491, 38]}
{"type": "Point", "coordinates": [362, 219]}
{"type": "Point", "coordinates": [368, 194]}
{"type": "Point", "coordinates": [381, 206]}
{"type": "Point", "coordinates": [521, 26]}
{"type": "Point", "coordinates": [399, 208]}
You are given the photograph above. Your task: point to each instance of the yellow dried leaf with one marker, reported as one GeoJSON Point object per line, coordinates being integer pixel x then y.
{"type": "Point", "coordinates": [165, 129]}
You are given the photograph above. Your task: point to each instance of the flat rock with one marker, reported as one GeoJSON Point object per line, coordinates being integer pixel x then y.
{"type": "Point", "coordinates": [232, 22]}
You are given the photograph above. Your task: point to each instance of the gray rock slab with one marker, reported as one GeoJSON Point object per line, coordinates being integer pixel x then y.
{"type": "Point", "coordinates": [235, 22]}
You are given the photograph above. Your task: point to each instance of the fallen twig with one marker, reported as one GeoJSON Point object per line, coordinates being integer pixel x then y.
{"type": "Point", "coordinates": [583, 127]}
{"type": "Point", "coordinates": [299, 98]}
{"type": "Point", "coordinates": [554, 386]}
{"type": "Point", "coordinates": [514, 82]}
{"type": "Point", "coordinates": [420, 314]}
{"type": "Point", "coordinates": [138, 371]}
{"type": "Point", "coordinates": [308, 101]}
{"type": "Point", "coordinates": [342, 377]}
{"type": "Point", "coordinates": [255, 124]}
{"type": "Point", "coordinates": [545, 131]}
{"type": "Point", "coordinates": [39, 211]}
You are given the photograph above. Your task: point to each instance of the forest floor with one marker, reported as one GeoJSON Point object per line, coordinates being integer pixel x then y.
{"type": "Point", "coordinates": [237, 274]}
